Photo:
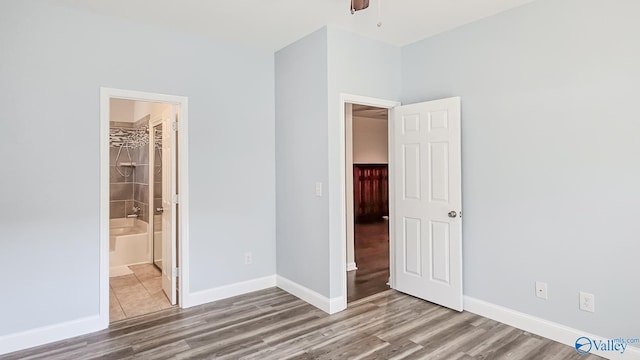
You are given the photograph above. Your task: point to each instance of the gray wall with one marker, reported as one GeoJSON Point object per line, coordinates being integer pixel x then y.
{"type": "Point", "coordinates": [549, 152]}
{"type": "Point", "coordinates": [54, 60]}
{"type": "Point", "coordinates": [550, 155]}
{"type": "Point", "coordinates": [357, 66]}
{"type": "Point", "coordinates": [301, 161]}
{"type": "Point", "coordinates": [310, 75]}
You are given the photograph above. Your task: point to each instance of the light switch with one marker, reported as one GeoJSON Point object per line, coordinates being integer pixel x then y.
{"type": "Point", "coordinates": [318, 189]}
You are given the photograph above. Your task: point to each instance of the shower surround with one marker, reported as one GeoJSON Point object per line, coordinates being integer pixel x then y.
{"type": "Point", "coordinates": [129, 192]}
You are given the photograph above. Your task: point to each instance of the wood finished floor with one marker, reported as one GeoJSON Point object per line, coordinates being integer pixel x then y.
{"type": "Point", "coordinates": [271, 324]}
{"type": "Point", "coordinates": [371, 243]}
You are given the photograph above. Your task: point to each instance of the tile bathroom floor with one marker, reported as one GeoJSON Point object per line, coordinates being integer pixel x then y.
{"type": "Point", "coordinates": [136, 294]}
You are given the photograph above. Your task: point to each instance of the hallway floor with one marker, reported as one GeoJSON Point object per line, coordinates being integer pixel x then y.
{"type": "Point", "coordinates": [136, 294]}
{"type": "Point", "coordinates": [372, 259]}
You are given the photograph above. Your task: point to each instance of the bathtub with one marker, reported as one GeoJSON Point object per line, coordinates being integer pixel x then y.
{"type": "Point", "coordinates": [128, 244]}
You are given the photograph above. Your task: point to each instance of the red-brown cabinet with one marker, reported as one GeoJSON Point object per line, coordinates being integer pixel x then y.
{"type": "Point", "coordinates": [370, 192]}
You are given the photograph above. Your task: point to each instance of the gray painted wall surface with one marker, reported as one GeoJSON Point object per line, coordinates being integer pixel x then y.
{"type": "Point", "coordinates": [301, 161]}
{"type": "Point", "coordinates": [357, 66]}
{"type": "Point", "coordinates": [53, 62]}
{"type": "Point", "coordinates": [550, 136]}
{"type": "Point", "coordinates": [550, 155]}
{"type": "Point", "coordinates": [310, 75]}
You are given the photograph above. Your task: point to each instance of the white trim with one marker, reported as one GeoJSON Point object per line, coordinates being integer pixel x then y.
{"type": "Point", "coordinates": [106, 94]}
{"type": "Point", "coordinates": [366, 100]}
{"type": "Point", "coordinates": [183, 190]}
{"type": "Point", "coordinates": [548, 329]}
{"type": "Point", "coordinates": [336, 304]}
{"type": "Point", "coordinates": [330, 306]}
{"type": "Point", "coordinates": [104, 210]}
{"type": "Point", "coordinates": [351, 266]}
{"type": "Point", "coordinates": [151, 173]}
{"type": "Point", "coordinates": [391, 169]}
{"type": "Point", "coordinates": [348, 172]}
{"type": "Point", "coordinates": [342, 225]}
{"type": "Point", "coordinates": [48, 334]}
{"type": "Point", "coordinates": [227, 291]}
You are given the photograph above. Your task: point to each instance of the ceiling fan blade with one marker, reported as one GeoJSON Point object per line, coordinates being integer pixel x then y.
{"type": "Point", "coordinates": [359, 4]}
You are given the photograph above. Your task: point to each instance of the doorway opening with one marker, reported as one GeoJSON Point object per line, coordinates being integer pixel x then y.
{"type": "Point", "coordinates": [425, 197]}
{"type": "Point", "coordinates": [141, 232]}
{"type": "Point", "coordinates": [367, 198]}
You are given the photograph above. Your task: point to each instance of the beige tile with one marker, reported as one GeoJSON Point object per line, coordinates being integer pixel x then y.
{"type": "Point", "coordinates": [137, 309]}
{"type": "Point", "coordinates": [112, 296]}
{"type": "Point", "coordinates": [115, 310]}
{"type": "Point", "coordinates": [143, 307]}
{"type": "Point", "coordinates": [134, 293]}
{"type": "Point", "coordinates": [123, 281]}
{"type": "Point", "coordinates": [145, 271]}
{"type": "Point", "coordinates": [137, 294]}
{"type": "Point", "coordinates": [145, 304]}
{"type": "Point", "coordinates": [116, 314]}
{"type": "Point", "coordinates": [160, 300]}
{"type": "Point", "coordinates": [153, 285]}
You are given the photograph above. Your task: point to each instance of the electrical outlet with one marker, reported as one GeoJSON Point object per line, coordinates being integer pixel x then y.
{"type": "Point", "coordinates": [541, 290]}
{"type": "Point", "coordinates": [587, 302]}
{"type": "Point", "coordinates": [318, 189]}
{"type": "Point", "coordinates": [248, 259]}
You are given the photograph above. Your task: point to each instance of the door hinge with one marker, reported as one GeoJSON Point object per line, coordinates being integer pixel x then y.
{"type": "Point", "coordinates": [176, 199]}
{"type": "Point", "coordinates": [174, 126]}
{"type": "Point", "coordinates": [175, 272]}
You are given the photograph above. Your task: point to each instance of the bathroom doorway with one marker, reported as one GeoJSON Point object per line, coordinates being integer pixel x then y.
{"type": "Point", "coordinates": [139, 267]}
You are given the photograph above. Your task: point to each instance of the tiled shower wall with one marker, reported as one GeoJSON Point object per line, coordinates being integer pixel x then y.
{"type": "Point", "coordinates": [127, 192]}
{"type": "Point", "coordinates": [157, 173]}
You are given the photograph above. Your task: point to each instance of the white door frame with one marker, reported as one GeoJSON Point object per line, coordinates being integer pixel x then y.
{"type": "Point", "coordinates": [106, 94]}
{"type": "Point", "coordinates": [380, 103]}
{"type": "Point", "coordinates": [152, 123]}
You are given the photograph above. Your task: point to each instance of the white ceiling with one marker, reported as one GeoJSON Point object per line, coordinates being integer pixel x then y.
{"type": "Point", "coordinates": [273, 24]}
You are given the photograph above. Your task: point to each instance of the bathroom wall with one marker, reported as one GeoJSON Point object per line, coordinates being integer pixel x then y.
{"type": "Point", "coordinates": [157, 170]}
{"type": "Point", "coordinates": [141, 173]}
{"type": "Point", "coordinates": [120, 187]}
{"type": "Point", "coordinates": [129, 187]}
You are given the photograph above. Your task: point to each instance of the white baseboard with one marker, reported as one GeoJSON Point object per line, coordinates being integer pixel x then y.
{"type": "Point", "coordinates": [48, 334]}
{"type": "Point", "coordinates": [227, 291]}
{"type": "Point", "coordinates": [323, 303]}
{"type": "Point", "coordinates": [351, 266]}
{"type": "Point", "coordinates": [548, 329]}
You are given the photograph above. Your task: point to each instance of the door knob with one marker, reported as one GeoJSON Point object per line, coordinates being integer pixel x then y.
{"type": "Point", "coordinates": [452, 214]}
{"type": "Point", "coordinates": [159, 210]}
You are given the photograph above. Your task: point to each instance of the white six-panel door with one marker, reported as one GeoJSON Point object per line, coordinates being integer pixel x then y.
{"type": "Point", "coordinates": [168, 205]}
{"type": "Point", "coordinates": [428, 238]}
